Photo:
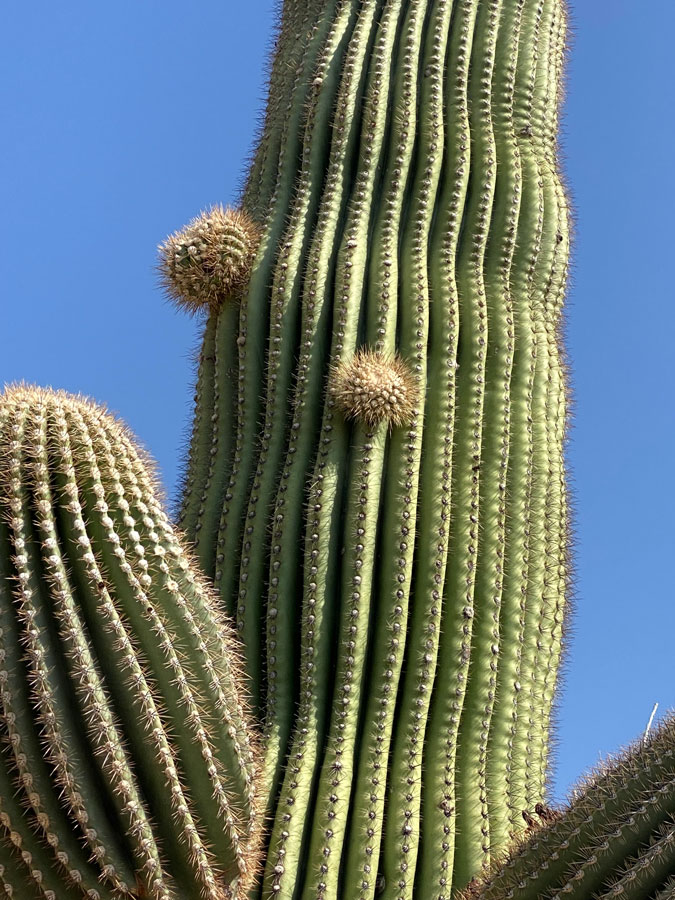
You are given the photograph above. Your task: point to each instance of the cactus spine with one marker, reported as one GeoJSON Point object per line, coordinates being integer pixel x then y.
{"type": "Point", "coordinates": [410, 210]}
{"type": "Point", "coordinates": [127, 737]}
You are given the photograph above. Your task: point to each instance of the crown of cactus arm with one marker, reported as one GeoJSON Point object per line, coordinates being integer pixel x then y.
{"type": "Point", "coordinates": [616, 839]}
{"type": "Point", "coordinates": [399, 588]}
{"type": "Point", "coordinates": [128, 765]}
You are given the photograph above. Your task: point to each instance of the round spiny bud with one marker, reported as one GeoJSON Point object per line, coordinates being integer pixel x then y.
{"type": "Point", "coordinates": [374, 387]}
{"type": "Point", "coordinates": [209, 259]}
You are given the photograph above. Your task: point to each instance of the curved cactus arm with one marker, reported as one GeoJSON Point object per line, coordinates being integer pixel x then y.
{"type": "Point", "coordinates": [615, 839]}
{"type": "Point", "coordinates": [139, 774]}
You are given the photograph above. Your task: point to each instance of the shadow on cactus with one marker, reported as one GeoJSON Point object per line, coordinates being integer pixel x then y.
{"type": "Point", "coordinates": [376, 492]}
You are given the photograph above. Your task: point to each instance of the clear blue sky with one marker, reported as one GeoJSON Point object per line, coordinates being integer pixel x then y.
{"type": "Point", "coordinates": [121, 121]}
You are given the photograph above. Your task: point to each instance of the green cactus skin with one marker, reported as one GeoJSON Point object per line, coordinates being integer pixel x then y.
{"type": "Point", "coordinates": [400, 591]}
{"type": "Point", "coordinates": [616, 839]}
{"type": "Point", "coordinates": [127, 767]}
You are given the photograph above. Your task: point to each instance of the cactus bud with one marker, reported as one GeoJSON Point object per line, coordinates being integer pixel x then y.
{"type": "Point", "coordinates": [374, 388]}
{"type": "Point", "coordinates": [209, 259]}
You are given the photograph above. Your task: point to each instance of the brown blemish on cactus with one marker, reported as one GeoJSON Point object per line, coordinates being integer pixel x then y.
{"type": "Point", "coordinates": [374, 387]}
{"type": "Point", "coordinates": [209, 259]}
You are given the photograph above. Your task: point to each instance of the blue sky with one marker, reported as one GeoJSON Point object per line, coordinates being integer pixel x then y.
{"type": "Point", "coordinates": [123, 120]}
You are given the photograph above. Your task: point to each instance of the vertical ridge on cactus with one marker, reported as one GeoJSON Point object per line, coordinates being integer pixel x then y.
{"type": "Point", "coordinates": [120, 696]}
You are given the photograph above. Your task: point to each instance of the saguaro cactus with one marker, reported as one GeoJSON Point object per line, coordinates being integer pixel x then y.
{"type": "Point", "coordinates": [376, 486]}
{"type": "Point", "coordinates": [127, 767]}
{"type": "Point", "coordinates": [398, 580]}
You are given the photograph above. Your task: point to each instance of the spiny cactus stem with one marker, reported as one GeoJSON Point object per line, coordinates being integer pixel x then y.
{"type": "Point", "coordinates": [284, 314]}
{"type": "Point", "coordinates": [114, 525]}
{"type": "Point", "coordinates": [621, 843]}
{"type": "Point", "coordinates": [435, 870]}
{"type": "Point", "coordinates": [221, 434]}
{"type": "Point", "coordinates": [516, 224]}
{"type": "Point", "coordinates": [94, 707]}
{"type": "Point", "coordinates": [288, 523]}
{"type": "Point", "coordinates": [323, 537]}
{"type": "Point", "coordinates": [27, 757]}
{"type": "Point", "coordinates": [253, 325]}
{"type": "Point", "coordinates": [667, 892]}
{"type": "Point", "coordinates": [121, 656]}
{"type": "Point", "coordinates": [198, 620]}
{"type": "Point", "coordinates": [303, 27]}
{"type": "Point", "coordinates": [618, 810]}
{"type": "Point", "coordinates": [548, 277]}
{"type": "Point", "coordinates": [641, 878]}
{"type": "Point", "coordinates": [201, 440]}
{"type": "Point", "coordinates": [404, 790]}
{"type": "Point", "coordinates": [402, 477]}
{"type": "Point", "coordinates": [523, 559]}
{"type": "Point", "coordinates": [194, 628]}
{"type": "Point", "coordinates": [556, 564]}
{"type": "Point", "coordinates": [475, 805]}
{"type": "Point", "coordinates": [39, 865]}
{"type": "Point", "coordinates": [61, 735]}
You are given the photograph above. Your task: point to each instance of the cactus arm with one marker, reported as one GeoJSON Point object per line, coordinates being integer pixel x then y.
{"type": "Point", "coordinates": [616, 834]}
{"type": "Point", "coordinates": [128, 572]}
{"type": "Point", "coordinates": [26, 758]}
{"type": "Point", "coordinates": [191, 613]}
{"type": "Point", "coordinates": [94, 709]}
{"type": "Point", "coordinates": [667, 892]}
{"type": "Point", "coordinates": [641, 877]}
{"type": "Point", "coordinates": [50, 692]}
{"type": "Point", "coordinates": [25, 861]}
{"type": "Point", "coordinates": [114, 596]}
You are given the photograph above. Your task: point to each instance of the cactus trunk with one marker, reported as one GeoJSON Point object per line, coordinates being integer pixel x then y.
{"type": "Point", "coordinates": [398, 579]}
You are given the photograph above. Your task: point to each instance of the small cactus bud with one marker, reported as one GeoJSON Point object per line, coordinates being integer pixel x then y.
{"type": "Point", "coordinates": [209, 259]}
{"type": "Point", "coordinates": [374, 388]}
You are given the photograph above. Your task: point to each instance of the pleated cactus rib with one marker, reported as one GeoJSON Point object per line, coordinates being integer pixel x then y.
{"type": "Point", "coordinates": [616, 839]}
{"type": "Point", "coordinates": [399, 581]}
{"type": "Point", "coordinates": [127, 765]}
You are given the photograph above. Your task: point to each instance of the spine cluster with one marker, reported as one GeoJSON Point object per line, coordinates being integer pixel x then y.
{"type": "Point", "coordinates": [127, 767]}
{"type": "Point", "coordinates": [376, 481]}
